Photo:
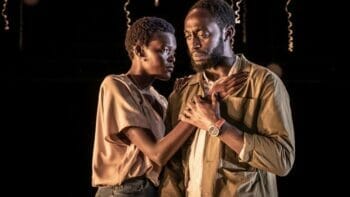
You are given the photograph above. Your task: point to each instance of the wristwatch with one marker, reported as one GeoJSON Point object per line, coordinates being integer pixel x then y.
{"type": "Point", "coordinates": [215, 129]}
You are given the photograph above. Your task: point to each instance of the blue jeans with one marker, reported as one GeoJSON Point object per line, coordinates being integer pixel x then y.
{"type": "Point", "coordinates": [135, 187]}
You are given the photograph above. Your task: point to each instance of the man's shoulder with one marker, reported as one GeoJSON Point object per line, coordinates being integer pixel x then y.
{"type": "Point", "coordinates": [265, 73]}
{"type": "Point", "coordinates": [259, 72]}
{"type": "Point", "coordinates": [256, 70]}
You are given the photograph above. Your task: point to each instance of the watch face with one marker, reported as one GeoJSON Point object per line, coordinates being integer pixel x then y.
{"type": "Point", "coordinates": [213, 130]}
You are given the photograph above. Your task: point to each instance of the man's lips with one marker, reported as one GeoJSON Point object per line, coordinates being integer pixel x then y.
{"type": "Point", "coordinates": [196, 56]}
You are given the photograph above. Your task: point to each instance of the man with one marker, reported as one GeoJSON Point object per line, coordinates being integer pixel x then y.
{"type": "Point", "coordinates": [250, 139]}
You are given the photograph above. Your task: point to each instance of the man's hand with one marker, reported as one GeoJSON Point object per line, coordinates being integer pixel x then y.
{"type": "Point", "coordinates": [226, 86]}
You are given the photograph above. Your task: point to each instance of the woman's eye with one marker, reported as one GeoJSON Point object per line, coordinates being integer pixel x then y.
{"type": "Point", "coordinates": [165, 50]}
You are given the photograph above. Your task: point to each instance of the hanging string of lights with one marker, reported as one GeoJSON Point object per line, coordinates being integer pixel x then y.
{"type": "Point", "coordinates": [290, 30]}
{"type": "Point", "coordinates": [4, 16]}
{"type": "Point", "coordinates": [127, 13]}
{"type": "Point", "coordinates": [238, 14]}
{"type": "Point", "coordinates": [238, 17]}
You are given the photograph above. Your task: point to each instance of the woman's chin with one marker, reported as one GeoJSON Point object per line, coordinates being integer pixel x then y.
{"type": "Point", "coordinates": [165, 77]}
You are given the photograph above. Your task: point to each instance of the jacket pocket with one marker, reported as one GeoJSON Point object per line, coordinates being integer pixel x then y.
{"type": "Point", "coordinates": [243, 183]}
{"type": "Point", "coordinates": [241, 112]}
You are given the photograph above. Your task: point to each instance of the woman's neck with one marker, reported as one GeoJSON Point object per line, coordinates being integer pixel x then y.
{"type": "Point", "coordinates": [141, 81]}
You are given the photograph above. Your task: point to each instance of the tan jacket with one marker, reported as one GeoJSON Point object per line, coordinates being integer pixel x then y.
{"type": "Point", "coordinates": [262, 111]}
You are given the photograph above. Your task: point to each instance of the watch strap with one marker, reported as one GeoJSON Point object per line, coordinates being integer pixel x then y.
{"type": "Point", "coordinates": [219, 123]}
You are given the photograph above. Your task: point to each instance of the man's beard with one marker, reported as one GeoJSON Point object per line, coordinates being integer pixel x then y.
{"type": "Point", "coordinates": [214, 58]}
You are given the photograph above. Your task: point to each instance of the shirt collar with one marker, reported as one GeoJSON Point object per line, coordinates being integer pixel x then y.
{"type": "Point", "coordinates": [209, 82]}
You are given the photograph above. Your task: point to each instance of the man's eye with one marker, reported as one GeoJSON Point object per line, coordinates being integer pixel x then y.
{"type": "Point", "coordinates": [204, 35]}
{"type": "Point", "coordinates": [188, 37]}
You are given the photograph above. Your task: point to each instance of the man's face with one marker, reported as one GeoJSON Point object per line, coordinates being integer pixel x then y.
{"type": "Point", "coordinates": [204, 39]}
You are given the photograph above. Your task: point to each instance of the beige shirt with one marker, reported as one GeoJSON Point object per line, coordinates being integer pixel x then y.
{"type": "Point", "coordinates": [197, 149]}
{"type": "Point", "coordinates": [260, 109]}
{"type": "Point", "coordinates": [121, 104]}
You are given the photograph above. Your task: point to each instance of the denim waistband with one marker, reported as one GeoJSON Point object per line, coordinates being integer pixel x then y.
{"type": "Point", "coordinates": [133, 187]}
{"type": "Point", "coordinates": [133, 182]}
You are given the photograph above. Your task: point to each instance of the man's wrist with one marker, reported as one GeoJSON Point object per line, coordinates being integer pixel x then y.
{"type": "Point", "coordinates": [215, 129]}
{"type": "Point", "coordinates": [220, 122]}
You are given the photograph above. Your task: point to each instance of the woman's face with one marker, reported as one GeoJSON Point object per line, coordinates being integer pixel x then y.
{"type": "Point", "coordinates": [160, 55]}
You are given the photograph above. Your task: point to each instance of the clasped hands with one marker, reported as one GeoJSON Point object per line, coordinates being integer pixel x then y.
{"type": "Point", "coordinates": [205, 111]}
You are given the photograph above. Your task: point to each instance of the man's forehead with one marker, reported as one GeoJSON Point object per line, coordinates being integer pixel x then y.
{"type": "Point", "coordinates": [199, 13]}
{"type": "Point", "coordinates": [199, 17]}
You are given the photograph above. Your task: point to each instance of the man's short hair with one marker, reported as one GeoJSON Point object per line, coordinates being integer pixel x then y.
{"type": "Point", "coordinates": [141, 31]}
{"type": "Point", "coordinates": [219, 9]}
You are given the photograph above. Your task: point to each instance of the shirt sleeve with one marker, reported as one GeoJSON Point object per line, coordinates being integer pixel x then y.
{"type": "Point", "coordinates": [118, 108]}
{"type": "Point", "coordinates": [242, 153]}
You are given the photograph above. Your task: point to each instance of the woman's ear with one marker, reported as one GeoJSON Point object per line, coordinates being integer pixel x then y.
{"type": "Point", "coordinates": [139, 51]}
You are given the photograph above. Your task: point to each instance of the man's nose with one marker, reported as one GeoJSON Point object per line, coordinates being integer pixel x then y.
{"type": "Point", "coordinates": [196, 43]}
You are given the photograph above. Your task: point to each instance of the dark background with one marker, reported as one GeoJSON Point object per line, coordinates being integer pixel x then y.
{"type": "Point", "coordinates": [52, 69]}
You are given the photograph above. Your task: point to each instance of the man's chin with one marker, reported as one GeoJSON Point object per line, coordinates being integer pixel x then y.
{"type": "Point", "coordinates": [199, 66]}
{"type": "Point", "coordinates": [202, 64]}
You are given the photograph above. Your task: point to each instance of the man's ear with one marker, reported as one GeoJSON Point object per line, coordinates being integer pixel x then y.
{"type": "Point", "coordinates": [229, 32]}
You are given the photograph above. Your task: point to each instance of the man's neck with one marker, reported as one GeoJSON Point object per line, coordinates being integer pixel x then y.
{"type": "Point", "coordinates": [222, 69]}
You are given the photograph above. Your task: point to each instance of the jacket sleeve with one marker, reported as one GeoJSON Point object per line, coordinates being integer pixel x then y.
{"type": "Point", "coordinates": [273, 147]}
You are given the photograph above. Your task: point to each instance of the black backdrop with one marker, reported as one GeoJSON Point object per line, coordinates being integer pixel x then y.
{"type": "Point", "coordinates": [51, 71]}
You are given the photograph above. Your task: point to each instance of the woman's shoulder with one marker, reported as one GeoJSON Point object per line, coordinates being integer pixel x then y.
{"type": "Point", "coordinates": [114, 81]}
